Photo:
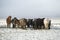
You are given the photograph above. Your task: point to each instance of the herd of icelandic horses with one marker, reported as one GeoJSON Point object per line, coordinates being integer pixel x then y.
{"type": "Point", "coordinates": [37, 23]}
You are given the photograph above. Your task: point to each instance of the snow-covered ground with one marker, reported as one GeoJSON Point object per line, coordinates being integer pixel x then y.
{"type": "Point", "coordinates": [22, 34]}
{"type": "Point", "coordinates": [3, 23]}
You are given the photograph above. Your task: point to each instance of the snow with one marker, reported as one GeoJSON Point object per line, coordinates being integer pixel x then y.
{"type": "Point", "coordinates": [28, 34]}
{"type": "Point", "coordinates": [20, 34]}
{"type": "Point", "coordinates": [3, 23]}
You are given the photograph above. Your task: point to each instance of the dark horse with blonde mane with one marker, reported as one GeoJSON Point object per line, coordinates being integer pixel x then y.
{"type": "Point", "coordinates": [15, 22]}
{"type": "Point", "coordinates": [8, 21]}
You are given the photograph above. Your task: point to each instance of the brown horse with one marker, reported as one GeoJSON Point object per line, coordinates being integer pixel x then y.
{"type": "Point", "coordinates": [8, 21]}
{"type": "Point", "coordinates": [23, 23]}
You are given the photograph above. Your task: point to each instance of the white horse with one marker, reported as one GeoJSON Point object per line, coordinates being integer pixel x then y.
{"type": "Point", "coordinates": [47, 23]}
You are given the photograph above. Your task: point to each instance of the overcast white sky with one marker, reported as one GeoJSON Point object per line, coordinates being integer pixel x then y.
{"type": "Point", "coordinates": [30, 8]}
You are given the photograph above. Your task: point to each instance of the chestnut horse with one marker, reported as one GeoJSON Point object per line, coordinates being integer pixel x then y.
{"type": "Point", "coordinates": [8, 21]}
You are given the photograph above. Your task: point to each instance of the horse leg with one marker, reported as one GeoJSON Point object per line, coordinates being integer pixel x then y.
{"type": "Point", "coordinates": [19, 26]}
{"type": "Point", "coordinates": [8, 25]}
{"type": "Point", "coordinates": [35, 26]}
{"type": "Point", "coordinates": [24, 27]}
{"type": "Point", "coordinates": [14, 25]}
{"type": "Point", "coordinates": [49, 26]}
{"type": "Point", "coordinates": [28, 25]}
{"type": "Point", "coordinates": [43, 27]}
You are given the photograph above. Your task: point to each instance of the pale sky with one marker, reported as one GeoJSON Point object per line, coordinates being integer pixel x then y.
{"type": "Point", "coordinates": [30, 8]}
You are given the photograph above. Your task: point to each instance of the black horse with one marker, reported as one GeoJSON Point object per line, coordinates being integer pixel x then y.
{"type": "Point", "coordinates": [39, 23]}
{"type": "Point", "coordinates": [30, 23]}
